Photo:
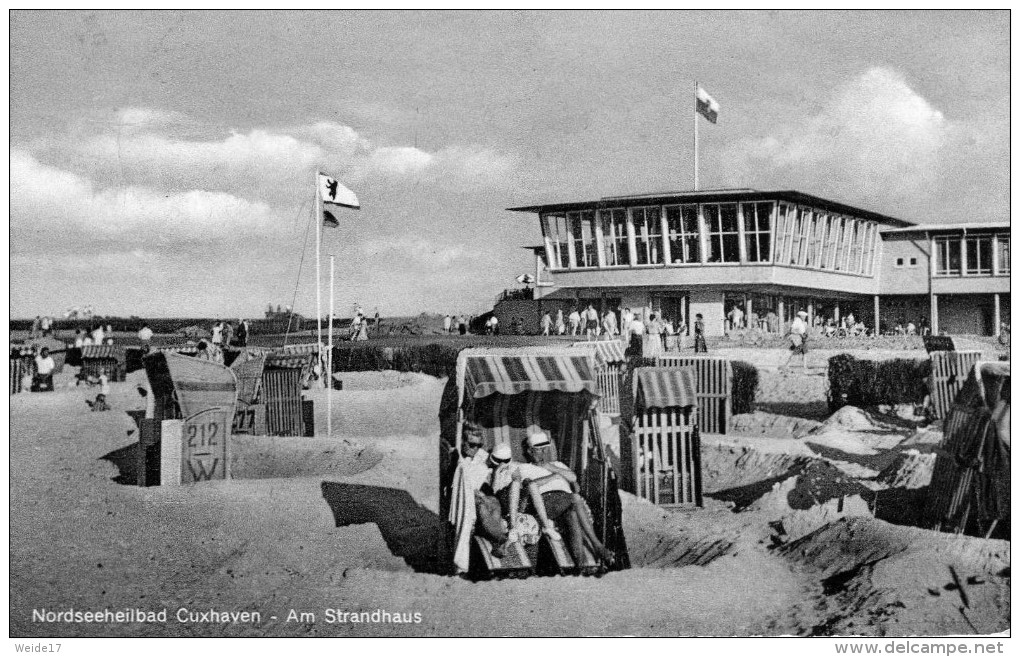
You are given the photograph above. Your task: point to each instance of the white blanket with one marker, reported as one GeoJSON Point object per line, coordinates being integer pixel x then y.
{"type": "Point", "coordinates": [467, 478]}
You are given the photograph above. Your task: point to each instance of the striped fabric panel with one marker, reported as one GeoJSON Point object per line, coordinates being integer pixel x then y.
{"type": "Point", "coordinates": [204, 386]}
{"type": "Point", "coordinates": [608, 351]}
{"type": "Point", "coordinates": [510, 419]}
{"type": "Point", "coordinates": [508, 375]}
{"type": "Point", "coordinates": [664, 387]}
{"type": "Point", "coordinates": [249, 377]}
{"type": "Point", "coordinates": [103, 351]}
{"type": "Point", "coordinates": [309, 348]}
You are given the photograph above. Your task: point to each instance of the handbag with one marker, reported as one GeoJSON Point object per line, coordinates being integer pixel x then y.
{"type": "Point", "coordinates": [490, 518]}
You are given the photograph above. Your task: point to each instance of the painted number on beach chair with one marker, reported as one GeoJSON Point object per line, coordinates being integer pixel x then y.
{"type": "Point", "coordinates": [205, 446]}
{"type": "Point", "coordinates": [203, 435]}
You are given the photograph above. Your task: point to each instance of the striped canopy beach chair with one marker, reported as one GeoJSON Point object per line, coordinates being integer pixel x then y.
{"type": "Point", "coordinates": [509, 394]}
{"type": "Point", "coordinates": [660, 444]}
{"type": "Point", "coordinates": [970, 485]}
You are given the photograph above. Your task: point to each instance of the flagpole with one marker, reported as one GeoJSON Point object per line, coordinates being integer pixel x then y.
{"type": "Point", "coordinates": [318, 267]}
{"type": "Point", "coordinates": [695, 135]}
{"type": "Point", "coordinates": [329, 357]}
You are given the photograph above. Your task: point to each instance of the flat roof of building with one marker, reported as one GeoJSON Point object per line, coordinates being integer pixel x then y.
{"type": "Point", "coordinates": [934, 228]}
{"type": "Point", "coordinates": [716, 196]}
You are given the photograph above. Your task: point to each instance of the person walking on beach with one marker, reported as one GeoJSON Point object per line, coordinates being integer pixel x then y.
{"type": "Point", "coordinates": [546, 324]}
{"type": "Point", "coordinates": [591, 322]}
{"type": "Point", "coordinates": [242, 333]}
{"type": "Point", "coordinates": [653, 341]}
{"type": "Point", "coordinates": [44, 366]}
{"type": "Point", "coordinates": [636, 331]}
{"type": "Point", "coordinates": [798, 339]}
{"type": "Point", "coordinates": [447, 323]}
{"type": "Point", "coordinates": [736, 317]}
{"type": "Point", "coordinates": [626, 317]}
{"type": "Point", "coordinates": [561, 328]}
{"type": "Point", "coordinates": [575, 321]}
{"type": "Point", "coordinates": [699, 335]}
{"type": "Point", "coordinates": [609, 324]}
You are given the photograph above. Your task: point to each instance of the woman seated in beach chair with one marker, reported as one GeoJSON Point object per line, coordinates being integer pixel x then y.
{"type": "Point", "coordinates": [552, 494]}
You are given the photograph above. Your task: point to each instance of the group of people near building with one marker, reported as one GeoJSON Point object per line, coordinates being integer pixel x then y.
{"type": "Point", "coordinates": [93, 335]}
{"type": "Point", "coordinates": [360, 324]}
{"type": "Point", "coordinates": [767, 322]}
{"type": "Point", "coordinates": [518, 502]}
{"type": "Point", "coordinates": [581, 322]}
{"type": "Point", "coordinates": [41, 327]}
{"type": "Point", "coordinates": [459, 324]}
{"type": "Point", "coordinates": [223, 334]}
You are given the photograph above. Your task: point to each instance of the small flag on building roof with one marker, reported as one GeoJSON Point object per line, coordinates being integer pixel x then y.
{"type": "Point", "coordinates": [706, 105]}
{"type": "Point", "coordinates": [334, 195]}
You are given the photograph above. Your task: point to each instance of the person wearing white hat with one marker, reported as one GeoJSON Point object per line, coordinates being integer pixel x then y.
{"type": "Point", "coordinates": [798, 338]}
{"type": "Point", "coordinates": [553, 494]}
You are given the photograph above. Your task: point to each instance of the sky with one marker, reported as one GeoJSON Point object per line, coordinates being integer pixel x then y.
{"type": "Point", "coordinates": [162, 163]}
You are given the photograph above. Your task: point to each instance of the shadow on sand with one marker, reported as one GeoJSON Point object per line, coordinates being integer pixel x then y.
{"type": "Point", "coordinates": [125, 460]}
{"type": "Point", "coordinates": [746, 495]}
{"type": "Point", "coordinates": [816, 410]}
{"type": "Point", "coordinates": [411, 531]}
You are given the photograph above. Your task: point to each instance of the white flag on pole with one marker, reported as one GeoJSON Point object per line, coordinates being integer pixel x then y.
{"type": "Point", "coordinates": [334, 194]}
{"type": "Point", "coordinates": [706, 106]}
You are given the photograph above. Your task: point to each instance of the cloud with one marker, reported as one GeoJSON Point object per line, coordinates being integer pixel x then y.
{"type": "Point", "coordinates": [45, 197]}
{"type": "Point", "coordinates": [875, 136]}
{"type": "Point", "coordinates": [143, 147]}
{"type": "Point", "coordinates": [145, 117]}
{"type": "Point", "coordinates": [400, 160]}
{"type": "Point", "coordinates": [414, 253]}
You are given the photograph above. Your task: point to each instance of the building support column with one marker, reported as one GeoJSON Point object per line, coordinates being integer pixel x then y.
{"type": "Point", "coordinates": [747, 310]}
{"type": "Point", "coordinates": [877, 324]}
{"type": "Point", "coordinates": [835, 313]}
{"type": "Point", "coordinates": [997, 316]}
{"type": "Point", "coordinates": [811, 312]}
{"type": "Point", "coordinates": [782, 317]}
{"type": "Point", "coordinates": [934, 314]}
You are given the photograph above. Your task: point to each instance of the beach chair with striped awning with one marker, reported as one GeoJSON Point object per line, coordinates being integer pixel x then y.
{"type": "Point", "coordinates": [609, 361]}
{"type": "Point", "coordinates": [660, 446]}
{"type": "Point", "coordinates": [512, 393]}
{"type": "Point", "coordinates": [202, 394]}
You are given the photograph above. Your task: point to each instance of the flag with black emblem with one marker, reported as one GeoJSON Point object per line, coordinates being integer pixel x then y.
{"type": "Point", "coordinates": [334, 196]}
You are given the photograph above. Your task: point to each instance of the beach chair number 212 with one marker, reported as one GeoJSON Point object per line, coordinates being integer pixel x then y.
{"type": "Point", "coordinates": [205, 433]}
{"type": "Point", "coordinates": [205, 439]}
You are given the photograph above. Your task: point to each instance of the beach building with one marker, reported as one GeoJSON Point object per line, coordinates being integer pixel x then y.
{"type": "Point", "coordinates": [683, 253]}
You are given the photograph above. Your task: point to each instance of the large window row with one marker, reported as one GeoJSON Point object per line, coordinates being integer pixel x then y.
{"type": "Point", "coordinates": [720, 233]}
{"type": "Point", "coordinates": [972, 255]}
{"type": "Point", "coordinates": [806, 237]}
